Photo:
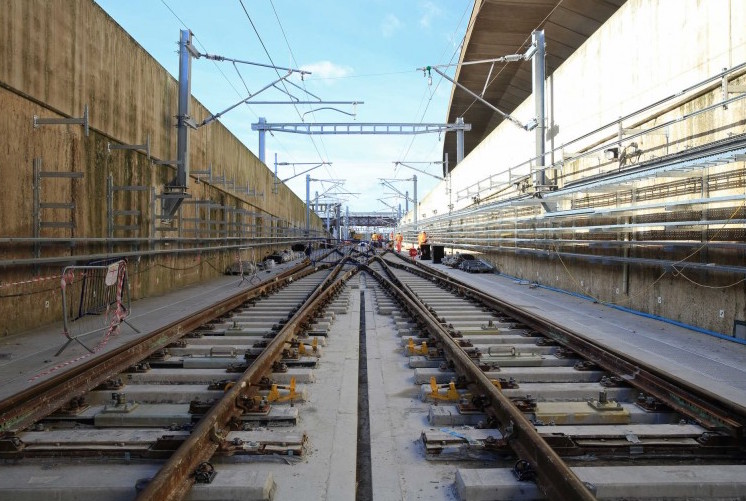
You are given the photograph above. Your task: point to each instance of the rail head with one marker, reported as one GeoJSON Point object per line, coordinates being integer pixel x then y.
{"type": "Point", "coordinates": [176, 476]}
{"type": "Point", "coordinates": [28, 406]}
{"type": "Point", "coordinates": [710, 409]}
{"type": "Point", "coordinates": [555, 479]}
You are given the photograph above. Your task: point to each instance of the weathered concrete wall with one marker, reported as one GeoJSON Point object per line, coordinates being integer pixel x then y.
{"type": "Point", "coordinates": [646, 51]}
{"type": "Point", "coordinates": [55, 58]}
{"type": "Point", "coordinates": [679, 300]}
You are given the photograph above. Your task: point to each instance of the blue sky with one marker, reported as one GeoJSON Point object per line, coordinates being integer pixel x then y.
{"type": "Point", "coordinates": [357, 51]}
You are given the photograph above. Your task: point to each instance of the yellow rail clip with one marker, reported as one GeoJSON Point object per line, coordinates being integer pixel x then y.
{"type": "Point", "coordinates": [413, 350]}
{"type": "Point", "coordinates": [452, 395]}
{"type": "Point", "coordinates": [274, 393]}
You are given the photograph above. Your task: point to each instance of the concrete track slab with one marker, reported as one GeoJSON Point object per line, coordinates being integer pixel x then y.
{"type": "Point", "coordinates": [521, 375]}
{"type": "Point", "coordinates": [207, 376]}
{"type": "Point", "coordinates": [329, 418]}
{"type": "Point", "coordinates": [118, 482]}
{"type": "Point", "coordinates": [625, 482]}
{"type": "Point", "coordinates": [397, 417]}
{"type": "Point", "coordinates": [566, 392]}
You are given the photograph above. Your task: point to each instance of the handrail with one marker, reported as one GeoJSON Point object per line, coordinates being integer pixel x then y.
{"type": "Point", "coordinates": [616, 123]}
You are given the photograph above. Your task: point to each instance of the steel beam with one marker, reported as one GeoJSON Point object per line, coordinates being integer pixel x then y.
{"type": "Point", "coordinates": [358, 128]}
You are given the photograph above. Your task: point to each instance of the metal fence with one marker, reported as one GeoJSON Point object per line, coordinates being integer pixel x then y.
{"type": "Point", "coordinates": [95, 300]}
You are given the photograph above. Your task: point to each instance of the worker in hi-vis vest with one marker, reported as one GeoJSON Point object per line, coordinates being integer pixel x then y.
{"type": "Point", "coordinates": [398, 239]}
{"type": "Point", "coordinates": [422, 238]}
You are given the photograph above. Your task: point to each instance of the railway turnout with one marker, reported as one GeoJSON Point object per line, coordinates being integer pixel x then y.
{"type": "Point", "coordinates": [370, 377]}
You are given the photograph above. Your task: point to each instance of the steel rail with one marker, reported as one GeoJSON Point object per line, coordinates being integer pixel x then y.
{"type": "Point", "coordinates": [24, 408]}
{"type": "Point", "coordinates": [176, 477]}
{"type": "Point", "coordinates": [710, 409]}
{"type": "Point", "coordinates": [555, 479]}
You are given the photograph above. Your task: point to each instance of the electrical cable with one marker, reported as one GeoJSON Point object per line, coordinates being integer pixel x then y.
{"type": "Point", "coordinates": [676, 271]}
{"type": "Point", "coordinates": [276, 71]}
{"type": "Point", "coordinates": [213, 61]}
{"type": "Point", "coordinates": [361, 75]}
{"type": "Point", "coordinates": [516, 51]}
{"type": "Point", "coordinates": [440, 80]}
{"type": "Point", "coordinates": [204, 49]}
{"type": "Point", "coordinates": [295, 62]}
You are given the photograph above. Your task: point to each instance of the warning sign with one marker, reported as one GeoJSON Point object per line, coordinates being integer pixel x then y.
{"type": "Point", "coordinates": [112, 273]}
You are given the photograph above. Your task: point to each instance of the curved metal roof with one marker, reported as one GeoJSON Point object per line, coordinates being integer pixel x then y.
{"type": "Point", "coordinates": [501, 27]}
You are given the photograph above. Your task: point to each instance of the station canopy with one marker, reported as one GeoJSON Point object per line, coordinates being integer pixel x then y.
{"type": "Point", "coordinates": [502, 27]}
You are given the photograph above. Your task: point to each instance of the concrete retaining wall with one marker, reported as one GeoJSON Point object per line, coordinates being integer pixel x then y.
{"type": "Point", "coordinates": [56, 58]}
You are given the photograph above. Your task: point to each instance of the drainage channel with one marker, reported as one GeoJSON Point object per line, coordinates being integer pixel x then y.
{"type": "Point", "coordinates": [364, 491]}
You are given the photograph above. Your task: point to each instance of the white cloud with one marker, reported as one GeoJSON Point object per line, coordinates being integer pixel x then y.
{"type": "Point", "coordinates": [390, 25]}
{"type": "Point", "coordinates": [327, 69]}
{"type": "Point", "coordinates": [430, 11]}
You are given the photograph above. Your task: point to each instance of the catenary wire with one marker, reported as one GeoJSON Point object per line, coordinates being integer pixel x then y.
{"type": "Point", "coordinates": [321, 157]}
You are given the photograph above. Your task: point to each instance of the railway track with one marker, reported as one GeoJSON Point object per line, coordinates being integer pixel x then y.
{"type": "Point", "coordinates": [223, 382]}
{"type": "Point", "coordinates": [566, 419]}
{"type": "Point", "coordinates": [488, 402]}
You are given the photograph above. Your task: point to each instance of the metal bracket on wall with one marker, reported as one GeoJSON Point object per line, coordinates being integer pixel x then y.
{"type": "Point", "coordinates": [173, 163]}
{"type": "Point", "coordinates": [727, 88]}
{"type": "Point", "coordinates": [139, 147]}
{"type": "Point", "coordinates": [253, 193]}
{"type": "Point", "coordinates": [199, 173]}
{"type": "Point", "coordinates": [166, 220]}
{"type": "Point", "coordinates": [39, 206]}
{"type": "Point", "coordinates": [64, 121]}
{"type": "Point", "coordinates": [114, 221]}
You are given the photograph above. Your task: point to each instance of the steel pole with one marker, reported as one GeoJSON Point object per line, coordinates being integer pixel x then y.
{"type": "Point", "coordinates": [308, 204]}
{"type": "Point", "coordinates": [538, 71]}
{"type": "Point", "coordinates": [185, 92]}
{"type": "Point", "coordinates": [416, 209]}
{"type": "Point", "coordinates": [459, 141]}
{"type": "Point", "coordinates": [262, 132]}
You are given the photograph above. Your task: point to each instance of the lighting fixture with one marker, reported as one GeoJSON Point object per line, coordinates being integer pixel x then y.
{"type": "Point", "coordinates": [612, 153]}
{"type": "Point", "coordinates": [531, 124]}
